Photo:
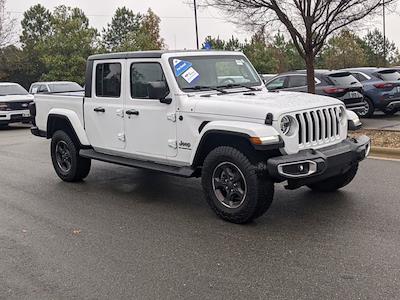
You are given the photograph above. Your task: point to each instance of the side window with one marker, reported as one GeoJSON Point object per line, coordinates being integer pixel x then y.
{"type": "Point", "coordinates": [297, 81]}
{"type": "Point", "coordinates": [33, 89]}
{"type": "Point", "coordinates": [42, 89]}
{"type": "Point", "coordinates": [148, 81]}
{"type": "Point", "coordinates": [108, 80]}
{"type": "Point", "coordinates": [277, 84]}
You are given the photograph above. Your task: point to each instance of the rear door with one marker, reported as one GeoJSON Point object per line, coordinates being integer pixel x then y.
{"type": "Point", "coordinates": [104, 121]}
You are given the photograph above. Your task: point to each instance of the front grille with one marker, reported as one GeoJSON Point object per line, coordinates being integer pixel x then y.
{"type": "Point", "coordinates": [318, 126]}
{"type": "Point", "coordinates": [20, 105]}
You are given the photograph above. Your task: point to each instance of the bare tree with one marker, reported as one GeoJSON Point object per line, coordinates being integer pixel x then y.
{"type": "Point", "coordinates": [309, 22]}
{"type": "Point", "coordinates": [7, 26]}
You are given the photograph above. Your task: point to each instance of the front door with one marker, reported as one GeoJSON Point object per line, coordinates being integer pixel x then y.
{"type": "Point", "coordinates": [150, 125]}
{"type": "Point", "coordinates": [104, 113]}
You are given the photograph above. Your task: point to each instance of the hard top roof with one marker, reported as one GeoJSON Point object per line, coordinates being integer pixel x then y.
{"type": "Point", "coordinates": [154, 54]}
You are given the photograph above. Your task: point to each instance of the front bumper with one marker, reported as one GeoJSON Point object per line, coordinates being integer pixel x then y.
{"type": "Point", "coordinates": [309, 166]}
{"type": "Point", "coordinates": [14, 116]}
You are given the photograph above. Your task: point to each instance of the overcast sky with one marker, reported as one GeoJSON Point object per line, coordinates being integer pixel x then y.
{"type": "Point", "coordinates": [177, 25]}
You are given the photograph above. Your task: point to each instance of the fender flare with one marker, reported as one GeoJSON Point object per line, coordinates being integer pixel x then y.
{"type": "Point", "coordinates": [72, 118]}
{"type": "Point", "coordinates": [236, 128]}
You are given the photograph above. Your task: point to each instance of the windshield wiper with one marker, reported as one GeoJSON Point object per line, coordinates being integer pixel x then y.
{"type": "Point", "coordinates": [234, 85]}
{"type": "Point", "coordinates": [200, 87]}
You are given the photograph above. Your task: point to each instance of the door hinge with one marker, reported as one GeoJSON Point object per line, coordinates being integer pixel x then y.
{"type": "Point", "coordinates": [171, 117]}
{"type": "Point", "coordinates": [173, 144]}
{"type": "Point", "coordinates": [121, 137]}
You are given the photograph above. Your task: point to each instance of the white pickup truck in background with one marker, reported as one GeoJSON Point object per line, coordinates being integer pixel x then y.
{"type": "Point", "coordinates": [14, 103]}
{"type": "Point", "coordinates": [176, 113]}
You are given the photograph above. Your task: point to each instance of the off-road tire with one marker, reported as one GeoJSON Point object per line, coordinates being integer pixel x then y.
{"type": "Point", "coordinates": [335, 183]}
{"type": "Point", "coordinates": [80, 167]}
{"type": "Point", "coordinates": [260, 189]}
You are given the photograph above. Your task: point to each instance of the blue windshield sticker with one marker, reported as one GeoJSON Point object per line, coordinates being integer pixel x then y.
{"type": "Point", "coordinates": [181, 66]}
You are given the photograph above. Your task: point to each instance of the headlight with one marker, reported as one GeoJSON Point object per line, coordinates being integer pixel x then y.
{"type": "Point", "coordinates": [342, 115]}
{"type": "Point", "coordinates": [286, 125]}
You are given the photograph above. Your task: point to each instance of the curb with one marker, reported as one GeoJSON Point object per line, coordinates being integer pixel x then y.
{"type": "Point", "coordinates": [385, 152]}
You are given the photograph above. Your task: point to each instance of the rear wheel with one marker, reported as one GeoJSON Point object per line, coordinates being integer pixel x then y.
{"type": "Point", "coordinates": [334, 183]}
{"type": "Point", "coordinates": [233, 188]}
{"type": "Point", "coordinates": [67, 163]}
{"type": "Point", "coordinates": [368, 110]}
{"type": "Point", "coordinates": [390, 112]}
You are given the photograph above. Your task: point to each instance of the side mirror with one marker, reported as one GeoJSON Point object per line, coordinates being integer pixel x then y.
{"type": "Point", "coordinates": [159, 90]}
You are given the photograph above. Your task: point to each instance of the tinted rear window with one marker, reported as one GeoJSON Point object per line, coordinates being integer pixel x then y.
{"type": "Point", "coordinates": [343, 79]}
{"type": "Point", "coordinates": [389, 76]}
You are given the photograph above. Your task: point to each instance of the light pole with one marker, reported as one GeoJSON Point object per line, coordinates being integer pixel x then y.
{"type": "Point", "coordinates": [384, 33]}
{"type": "Point", "coordinates": [195, 23]}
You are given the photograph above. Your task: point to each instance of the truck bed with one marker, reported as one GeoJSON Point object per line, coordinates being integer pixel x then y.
{"type": "Point", "coordinates": [50, 103]}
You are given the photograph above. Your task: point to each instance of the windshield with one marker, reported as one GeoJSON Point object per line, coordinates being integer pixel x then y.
{"type": "Point", "coordinates": [64, 87]}
{"type": "Point", "coordinates": [213, 72]}
{"type": "Point", "coordinates": [12, 89]}
{"type": "Point", "coordinates": [389, 76]}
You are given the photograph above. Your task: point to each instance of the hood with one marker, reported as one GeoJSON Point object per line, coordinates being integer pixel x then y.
{"type": "Point", "coordinates": [16, 98]}
{"type": "Point", "coordinates": [258, 104]}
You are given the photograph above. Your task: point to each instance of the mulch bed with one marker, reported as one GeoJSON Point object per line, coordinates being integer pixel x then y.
{"type": "Point", "coordinates": [380, 138]}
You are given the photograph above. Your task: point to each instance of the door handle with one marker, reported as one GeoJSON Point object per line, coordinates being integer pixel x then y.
{"type": "Point", "coordinates": [99, 109]}
{"type": "Point", "coordinates": [132, 112]}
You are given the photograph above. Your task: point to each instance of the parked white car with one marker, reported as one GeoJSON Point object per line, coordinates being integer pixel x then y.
{"type": "Point", "coordinates": [14, 103]}
{"type": "Point", "coordinates": [167, 111]}
{"type": "Point", "coordinates": [55, 87]}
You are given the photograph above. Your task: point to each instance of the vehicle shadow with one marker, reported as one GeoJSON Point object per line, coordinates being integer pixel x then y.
{"type": "Point", "coordinates": [178, 197]}
{"type": "Point", "coordinates": [18, 126]}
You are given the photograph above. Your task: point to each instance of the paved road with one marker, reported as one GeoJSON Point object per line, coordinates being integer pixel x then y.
{"type": "Point", "coordinates": [131, 234]}
{"type": "Point", "coordinates": [381, 121]}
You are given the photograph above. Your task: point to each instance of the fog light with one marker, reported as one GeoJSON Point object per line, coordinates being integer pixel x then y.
{"type": "Point", "coordinates": [298, 169]}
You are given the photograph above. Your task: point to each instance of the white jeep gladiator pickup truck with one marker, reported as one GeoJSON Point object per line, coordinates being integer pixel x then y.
{"type": "Point", "coordinates": [176, 113]}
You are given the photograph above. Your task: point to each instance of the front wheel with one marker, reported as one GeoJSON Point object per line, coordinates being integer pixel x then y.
{"type": "Point", "coordinates": [233, 188]}
{"type": "Point", "coordinates": [335, 183]}
{"type": "Point", "coordinates": [67, 163]}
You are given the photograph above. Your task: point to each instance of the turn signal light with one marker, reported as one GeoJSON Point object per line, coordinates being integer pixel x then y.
{"type": "Point", "coordinates": [264, 140]}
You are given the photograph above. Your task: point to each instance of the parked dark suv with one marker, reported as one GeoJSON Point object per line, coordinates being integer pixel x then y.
{"type": "Point", "coordinates": [381, 89]}
{"type": "Point", "coordinates": [338, 84]}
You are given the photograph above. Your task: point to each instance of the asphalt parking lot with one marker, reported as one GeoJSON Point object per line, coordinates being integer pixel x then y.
{"type": "Point", "coordinates": [133, 234]}
{"type": "Point", "coordinates": [382, 122]}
